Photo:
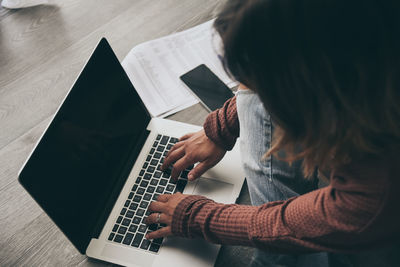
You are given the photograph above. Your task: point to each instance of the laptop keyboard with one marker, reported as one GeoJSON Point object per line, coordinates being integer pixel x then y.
{"type": "Point", "coordinates": [129, 228]}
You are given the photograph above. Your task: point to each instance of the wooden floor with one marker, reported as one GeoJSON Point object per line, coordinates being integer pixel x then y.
{"type": "Point", "coordinates": [42, 49]}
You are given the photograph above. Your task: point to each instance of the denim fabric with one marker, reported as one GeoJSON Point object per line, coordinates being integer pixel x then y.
{"type": "Point", "coordinates": [270, 179]}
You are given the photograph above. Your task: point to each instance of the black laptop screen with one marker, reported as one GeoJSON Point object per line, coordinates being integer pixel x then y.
{"type": "Point", "coordinates": [74, 168]}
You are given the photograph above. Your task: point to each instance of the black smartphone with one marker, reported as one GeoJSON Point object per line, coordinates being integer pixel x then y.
{"type": "Point", "coordinates": [210, 90]}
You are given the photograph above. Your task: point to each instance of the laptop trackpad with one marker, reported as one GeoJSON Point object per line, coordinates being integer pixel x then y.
{"type": "Point", "coordinates": [214, 189]}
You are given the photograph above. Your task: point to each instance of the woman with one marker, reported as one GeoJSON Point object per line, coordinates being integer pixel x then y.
{"type": "Point", "coordinates": [326, 74]}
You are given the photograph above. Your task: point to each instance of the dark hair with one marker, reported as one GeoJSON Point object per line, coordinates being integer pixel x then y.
{"type": "Point", "coordinates": [327, 71]}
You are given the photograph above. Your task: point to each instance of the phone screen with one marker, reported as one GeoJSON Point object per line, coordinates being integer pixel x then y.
{"type": "Point", "coordinates": [211, 91]}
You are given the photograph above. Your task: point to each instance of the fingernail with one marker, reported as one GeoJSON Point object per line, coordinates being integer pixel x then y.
{"type": "Point", "coordinates": [190, 176]}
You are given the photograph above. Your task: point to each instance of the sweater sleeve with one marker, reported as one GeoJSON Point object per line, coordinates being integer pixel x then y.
{"type": "Point", "coordinates": [334, 218]}
{"type": "Point", "coordinates": [222, 125]}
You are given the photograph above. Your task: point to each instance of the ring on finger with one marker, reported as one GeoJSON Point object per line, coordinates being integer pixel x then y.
{"type": "Point", "coordinates": [158, 218]}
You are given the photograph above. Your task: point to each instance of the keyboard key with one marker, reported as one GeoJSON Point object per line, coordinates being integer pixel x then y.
{"type": "Point", "coordinates": [159, 165]}
{"type": "Point", "coordinates": [163, 182]}
{"type": "Point", "coordinates": [151, 169]}
{"type": "Point", "coordinates": [164, 140]}
{"type": "Point", "coordinates": [111, 236]}
{"type": "Point", "coordinates": [129, 214]}
{"type": "Point", "coordinates": [145, 244]}
{"type": "Point", "coordinates": [157, 155]}
{"type": "Point", "coordinates": [142, 228]}
{"type": "Point", "coordinates": [140, 212]}
{"type": "Point", "coordinates": [155, 144]}
{"type": "Point", "coordinates": [144, 204]}
{"type": "Point", "coordinates": [160, 148]}
{"type": "Point", "coordinates": [128, 239]}
{"type": "Point", "coordinates": [153, 227]}
{"type": "Point", "coordinates": [151, 189]}
{"type": "Point", "coordinates": [141, 190]}
{"type": "Point", "coordinates": [119, 219]}
{"type": "Point", "coordinates": [152, 151]}
{"type": "Point", "coordinates": [138, 179]}
{"type": "Point", "coordinates": [153, 182]}
{"type": "Point", "coordinates": [133, 228]}
{"type": "Point", "coordinates": [164, 155]}
{"type": "Point", "coordinates": [122, 230]}
{"type": "Point", "coordinates": [126, 222]}
{"type": "Point", "coordinates": [145, 165]}
{"type": "Point", "coordinates": [137, 198]}
{"type": "Point", "coordinates": [166, 175]}
{"type": "Point", "coordinates": [158, 241]}
{"type": "Point", "coordinates": [170, 188]}
{"type": "Point", "coordinates": [181, 185]}
{"type": "Point", "coordinates": [136, 241]}
{"type": "Point", "coordinates": [134, 206]}
{"type": "Point", "coordinates": [123, 211]}
{"type": "Point", "coordinates": [147, 176]}
{"type": "Point", "coordinates": [147, 197]}
{"type": "Point", "coordinates": [184, 174]}
{"type": "Point", "coordinates": [154, 162]}
{"type": "Point", "coordinates": [115, 228]}
{"type": "Point", "coordinates": [141, 173]}
{"type": "Point", "coordinates": [144, 183]}
{"type": "Point", "coordinates": [157, 174]}
{"type": "Point", "coordinates": [118, 238]}
{"type": "Point", "coordinates": [131, 193]}
{"type": "Point", "coordinates": [160, 189]}
{"type": "Point", "coordinates": [158, 137]}
{"type": "Point", "coordinates": [127, 203]}
{"type": "Point", "coordinates": [174, 140]}
{"type": "Point", "coordinates": [136, 220]}
{"type": "Point", "coordinates": [155, 196]}
{"type": "Point", "coordinates": [169, 146]}
{"type": "Point", "coordinates": [148, 212]}
{"type": "Point", "coordinates": [162, 160]}
{"type": "Point", "coordinates": [154, 247]}
{"type": "Point", "coordinates": [148, 158]}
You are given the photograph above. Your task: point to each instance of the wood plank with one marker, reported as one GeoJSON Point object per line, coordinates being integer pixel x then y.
{"type": "Point", "coordinates": [36, 95]}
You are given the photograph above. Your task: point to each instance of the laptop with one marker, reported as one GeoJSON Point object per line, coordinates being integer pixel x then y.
{"type": "Point", "coordinates": [96, 169]}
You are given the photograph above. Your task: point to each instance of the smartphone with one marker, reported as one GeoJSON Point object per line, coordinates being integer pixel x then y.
{"type": "Point", "coordinates": [208, 88]}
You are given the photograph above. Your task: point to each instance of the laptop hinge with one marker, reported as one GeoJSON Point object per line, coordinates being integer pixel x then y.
{"type": "Point", "coordinates": [126, 170]}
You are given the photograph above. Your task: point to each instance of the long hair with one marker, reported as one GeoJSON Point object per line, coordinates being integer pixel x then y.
{"type": "Point", "coordinates": [327, 71]}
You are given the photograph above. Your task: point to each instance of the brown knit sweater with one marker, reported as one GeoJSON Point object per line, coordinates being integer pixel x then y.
{"type": "Point", "coordinates": [359, 209]}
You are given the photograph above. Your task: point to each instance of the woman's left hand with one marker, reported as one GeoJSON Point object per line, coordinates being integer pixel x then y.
{"type": "Point", "coordinates": [163, 210]}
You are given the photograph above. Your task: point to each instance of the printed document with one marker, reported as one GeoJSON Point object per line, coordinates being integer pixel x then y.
{"type": "Point", "coordinates": [154, 67]}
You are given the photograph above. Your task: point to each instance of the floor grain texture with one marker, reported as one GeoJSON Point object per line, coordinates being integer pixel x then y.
{"type": "Point", "coordinates": [42, 50]}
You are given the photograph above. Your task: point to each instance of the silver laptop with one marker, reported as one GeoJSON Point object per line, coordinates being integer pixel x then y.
{"type": "Point", "coordinates": [96, 169]}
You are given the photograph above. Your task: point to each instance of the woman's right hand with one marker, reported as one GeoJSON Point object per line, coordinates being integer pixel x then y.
{"type": "Point", "coordinates": [193, 148]}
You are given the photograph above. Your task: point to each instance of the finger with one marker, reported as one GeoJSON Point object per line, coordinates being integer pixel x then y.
{"type": "Point", "coordinates": [175, 147]}
{"type": "Point", "coordinates": [153, 218]}
{"type": "Point", "coordinates": [157, 206]}
{"type": "Point", "coordinates": [186, 136]}
{"type": "Point", "coordinates": [164, 198]}
{"type": "Point", "coordinates": [197, 171]}
{"type": "Point", "coordinates": [180, 165]}
{"type": "Point", "coordinates": [163, 232]}
{"type": "Point", "coordinates": [172, 157]}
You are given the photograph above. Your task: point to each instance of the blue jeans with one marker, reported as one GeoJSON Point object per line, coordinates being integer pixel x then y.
{"type": "Point", "coordinates": [271, 179]}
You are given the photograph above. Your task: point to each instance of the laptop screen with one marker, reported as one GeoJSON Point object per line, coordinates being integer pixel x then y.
{"type": "Point", "coordinates": [80, 158]}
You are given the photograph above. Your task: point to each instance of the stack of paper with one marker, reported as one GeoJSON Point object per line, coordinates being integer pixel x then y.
{"type": "Point", "coordinates": [154, 67]}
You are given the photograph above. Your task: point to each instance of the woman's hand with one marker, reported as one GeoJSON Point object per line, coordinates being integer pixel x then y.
{"type": "Point", "coordinates": [163, 209]}
{"type": "Point", "coordinates": [193, 148]}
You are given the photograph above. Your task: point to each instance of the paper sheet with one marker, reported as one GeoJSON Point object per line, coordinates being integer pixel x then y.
{"type": "Point", "coordinates": [154, 67]}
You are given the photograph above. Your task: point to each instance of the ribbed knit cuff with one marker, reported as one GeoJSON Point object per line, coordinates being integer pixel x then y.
{"type": "Point", "coordinates": [181, 216]}
{"type": "Point", "coordinates": [211, 129]}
